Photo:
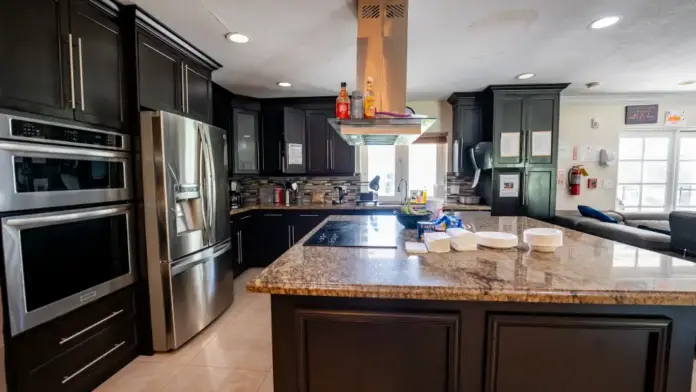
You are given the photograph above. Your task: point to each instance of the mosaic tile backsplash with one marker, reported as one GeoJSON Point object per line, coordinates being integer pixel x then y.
{"type": "Point", "coordinates": [250, 187]}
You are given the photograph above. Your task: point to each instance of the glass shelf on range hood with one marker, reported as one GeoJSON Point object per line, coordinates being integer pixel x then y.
{"type": "Point", "coordinates": [385, 123]}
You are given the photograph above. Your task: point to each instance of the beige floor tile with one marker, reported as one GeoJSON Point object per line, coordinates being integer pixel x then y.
{"type": "Point", "coordinates": [267, 385]}
{"type": "Point", "coordinates": [243, 381]}
{"type": "Point", "coordinates": [184, 354]}
{"type": "Point", "coordinates": [141, 377]}
{"type": "Point", "coordinates": [245, 354]}
{"type": "Point", "coordinates": [197, 379]}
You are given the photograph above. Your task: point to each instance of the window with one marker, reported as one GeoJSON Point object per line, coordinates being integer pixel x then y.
{"type": "Point", "coordinates": [655, 174]}
{"type": "Point", "coordinates": [422, 165]}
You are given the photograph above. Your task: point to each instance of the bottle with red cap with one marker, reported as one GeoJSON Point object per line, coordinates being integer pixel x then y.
{"type": "Point", "coordinates": [343, 103]}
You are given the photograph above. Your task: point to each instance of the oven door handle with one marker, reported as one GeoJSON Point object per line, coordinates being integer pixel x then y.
{"type": "Point", "coordinates": [61, 217]}
{"type": "Point", "coordinates": [57, 150]}
{"type": "Point", "coordinates": [200, 258]}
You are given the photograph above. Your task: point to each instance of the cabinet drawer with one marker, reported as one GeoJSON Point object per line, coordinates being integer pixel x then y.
{"type": "Point", "coordinates": [38, 345]}
{"type": "Point", "coordinates": [88, 364]}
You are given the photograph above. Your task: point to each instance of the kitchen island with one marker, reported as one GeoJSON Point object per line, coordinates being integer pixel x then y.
{"type": "Point", "coordinates": [596, 315]}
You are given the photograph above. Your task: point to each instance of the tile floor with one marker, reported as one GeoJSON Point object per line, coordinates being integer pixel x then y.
{"type": "Point", "coordinates": [233, 354]}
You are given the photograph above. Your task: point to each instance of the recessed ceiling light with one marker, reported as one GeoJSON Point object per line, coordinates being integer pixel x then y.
{"type": "Point", "coordinates": [525, 76]}
{"type": "Point", "coordinates": [237, 38]}
{"type": "Point", "coordinates": [284, 84]}
{"type": "Point", "coordinates": [605, 22]}
{"type": "Point", "coordinates": [687, 82]}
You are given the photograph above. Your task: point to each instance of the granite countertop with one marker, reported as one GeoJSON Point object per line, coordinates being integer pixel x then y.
{"type": "Point", "coordinates": [587, 269]}
{"type": "Point", "coordinates": [350, 207]}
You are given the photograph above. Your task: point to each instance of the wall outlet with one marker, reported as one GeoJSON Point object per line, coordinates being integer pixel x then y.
{"type": "Point", "coordinates": [454, 189]}
{"type": "Point", "coordinates": [607, 184]}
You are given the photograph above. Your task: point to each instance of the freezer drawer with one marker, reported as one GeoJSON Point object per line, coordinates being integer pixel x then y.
{"type": "Point", "coordinates": [200, 291]}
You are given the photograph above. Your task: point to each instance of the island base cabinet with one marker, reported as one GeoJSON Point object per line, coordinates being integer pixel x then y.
{"type": "Point", "coordinates": [575, 354]}
{"type": "Point", "coordinates": [336, 344]}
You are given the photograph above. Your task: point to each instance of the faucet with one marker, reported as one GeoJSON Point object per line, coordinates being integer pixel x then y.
{"type": "Point", "coordinates": [398, 188]}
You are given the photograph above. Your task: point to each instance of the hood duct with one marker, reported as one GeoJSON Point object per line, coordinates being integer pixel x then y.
{"type": "Point", "coordinates": [382, 42]}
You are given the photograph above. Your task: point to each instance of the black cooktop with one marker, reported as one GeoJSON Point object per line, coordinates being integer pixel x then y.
{"type": "Point", "coordinates": [353, 234]}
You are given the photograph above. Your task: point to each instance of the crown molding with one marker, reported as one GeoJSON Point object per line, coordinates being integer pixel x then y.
{"type": "Point", "coordinates": [647, 98]}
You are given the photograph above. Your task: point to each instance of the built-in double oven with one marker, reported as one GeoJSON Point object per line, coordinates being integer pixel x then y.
{"type": "Point", "coordinates": [66, 217]}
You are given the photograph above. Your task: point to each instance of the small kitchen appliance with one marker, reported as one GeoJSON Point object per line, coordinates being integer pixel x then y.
{"type": "Point", "coordinates": [236, 199]}
{"type": "Point", "coordinates": [337, 197]}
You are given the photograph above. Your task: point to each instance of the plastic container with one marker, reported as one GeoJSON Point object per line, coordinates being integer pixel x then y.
{"type": "Point", "coordinates": [356, 105]}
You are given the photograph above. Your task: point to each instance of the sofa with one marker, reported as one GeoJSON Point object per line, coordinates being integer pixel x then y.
{"type": "Point", "coordinates": [627, 230]}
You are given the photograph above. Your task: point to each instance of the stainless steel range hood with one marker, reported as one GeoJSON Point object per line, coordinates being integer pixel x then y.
{"type": "Point", "coordinates": [382, 41]}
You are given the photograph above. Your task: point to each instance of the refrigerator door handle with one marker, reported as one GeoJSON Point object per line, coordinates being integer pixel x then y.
{"type": "Point", "coordinates": [200, 258]}
{"type": "Point", "coordinates": [202, 186]}
{"type": "Point", "coordinates": [213, 185]}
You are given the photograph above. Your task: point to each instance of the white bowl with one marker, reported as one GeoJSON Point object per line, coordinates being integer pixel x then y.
{"type": "Point", "coordinates": [543, 239]}
{"type": "Point", "coordinates": [496, 239]}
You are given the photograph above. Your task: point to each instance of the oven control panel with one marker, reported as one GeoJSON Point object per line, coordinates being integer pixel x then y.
{"type": "Point", "coordinates": [37, 130]}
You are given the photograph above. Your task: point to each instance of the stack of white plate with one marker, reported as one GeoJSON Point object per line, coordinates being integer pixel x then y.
{"type": "Point", "coordinates": [543, 239]}
{"type": "Point", "coordinates": [496, 239]}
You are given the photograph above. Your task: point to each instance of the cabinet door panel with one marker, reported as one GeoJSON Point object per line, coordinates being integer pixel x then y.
{"type": "Point", "coordinates": [159, 75]}
{"type": "Point", "coordinates": [318, 148]}
{"type": "Point", "coordinates": [294, 127]}
{"type": "Point", "coordinates": [34, 71]}
{"type": "Point", "coordinates": [342, 155]}
{"type": "Point", "coordinates": [469, 126]}
{"type": "Point", "coordinates": [540, 113]}
{"type": "Point", "coordinates": [303, 223]}
{"type": "Point", "coordinates": [575, 354]}
{"type": "Point", "coordinates": [509, 118]}
{"type": "Point", "coordinates": [99, 65]}
{"type": "Point", "coordinates": [540, 193]}
{"type": "Point", "coordinates": [198, 93]}
{"type": "Point", "coordinates": [245, 142]}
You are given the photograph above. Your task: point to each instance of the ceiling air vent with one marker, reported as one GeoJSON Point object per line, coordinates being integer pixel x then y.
{"type": "Point", "coordinates": [370, 11]}
{"type": "Point", "coordinates": [396, 11]}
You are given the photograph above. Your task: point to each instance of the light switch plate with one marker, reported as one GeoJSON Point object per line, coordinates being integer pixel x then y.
{"type": "Point", "coordinates": [607, 184]}
{"type": "Point", "coordinates": [454, 189]}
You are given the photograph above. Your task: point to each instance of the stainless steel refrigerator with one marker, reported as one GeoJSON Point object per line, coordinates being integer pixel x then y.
{"type": "Point", "coordinates": [187, 229]}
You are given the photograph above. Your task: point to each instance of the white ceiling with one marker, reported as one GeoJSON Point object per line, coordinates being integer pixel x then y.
{"type": "Point", "coordinates": [454, 45]}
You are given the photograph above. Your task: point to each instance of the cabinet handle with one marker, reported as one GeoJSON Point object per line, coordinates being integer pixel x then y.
{"type": "Point", "coordinates": [332, 153]}
{"type": "Point", "coordinates": [280, 156]}
{"type": "Point", "coordinates": [89, 365]}
{"type": "Point", "coordinates": [272, 214]}
{"type": "Point", "coordinates": [314, 215]}
{"type": "Point", "coordinates": [328, 155]}
{"type": "Point", "coordinates": [183, 90]}
{"type": "Point", "coordinates": [241, 247]}
{"type": "Point", "coordinates": [246, 217]}
{"type": "Point", "coordinates": [72, 71]}
{"type": "Point", "coordinates": [289, 237]}
{"type": "Point", "coordinates": [293, 234]}
{"type": "Point", "coordinates": [102, 321]}
{"type": "Point", "coordinates": [187, 88]}
{"type": "Point", "coordinates": [82, 74]}
{"type": "Point", "coordinates": [525, 197]}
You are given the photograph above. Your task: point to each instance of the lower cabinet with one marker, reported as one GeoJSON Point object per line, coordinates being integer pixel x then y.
{"type": "Point", "coordinates": [243, 233]}
{"type": "Point", "coordinates": [539, 200]}
{"type": "Point", "coordinates": [77, 351]}
{"type": "Point", "coordinates": [575, 354]}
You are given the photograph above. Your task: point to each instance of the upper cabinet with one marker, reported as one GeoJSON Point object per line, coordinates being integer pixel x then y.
{"type": "Point", "coordinates": [467, 130]}
{"type": "Point", "coordinates": [69, 64]}
{"type": "Point", "coordinates": [171, 74]}
{"type": "Point", "coordinates": [524, 123]}
{"type": "Point", "coordinates": [327, 152]}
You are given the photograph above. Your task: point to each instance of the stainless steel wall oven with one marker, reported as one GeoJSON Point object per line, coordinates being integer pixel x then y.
{"type": "Point", "coordinates": [66, 218]}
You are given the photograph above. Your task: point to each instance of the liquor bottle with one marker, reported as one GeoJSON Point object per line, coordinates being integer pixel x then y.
{"type": "Point", "coordinates": [370, 109]}
{"type": "Point", "coordinates": [343, 103]}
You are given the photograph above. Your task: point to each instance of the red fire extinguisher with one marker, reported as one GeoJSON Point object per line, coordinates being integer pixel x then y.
{"type": "Point", "coordinates": [575, 175]}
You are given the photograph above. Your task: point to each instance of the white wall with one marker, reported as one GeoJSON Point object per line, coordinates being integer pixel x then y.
{"type": "Point", "coordinates": [576, 114]}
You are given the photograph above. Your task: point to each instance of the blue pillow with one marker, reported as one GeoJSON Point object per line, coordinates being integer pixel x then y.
{"type": "Point", "coordinates": [597, 214]}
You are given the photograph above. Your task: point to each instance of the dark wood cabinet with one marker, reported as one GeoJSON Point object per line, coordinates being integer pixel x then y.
{"type": "Point", "coordinates": [199, 93]}
{"type": "Point", "coordinates": [158, 80]}
{"type": "Point", "coordinates": [342, 155]}
{"type": "Point", "coordinates": [294, 143]}
{"type": "Point", "coordinates": [318, 142]}
{"type": "Point", "coordinates": [172, 75]}
{"type": "Point", "coordinates": [539, 197]}
{"type": "Point", "coordinates": [99, 65]}
{"type": "Point", "coordinates": [243, 234]}
{"type": "Point", "coordinates": [35, 71]}
{"type": "Point", "coordinates": [467, 130]}
{"type": "Point", "coordinates": [304, 222]}
{"type": "Point", "coordinates": [278, 237]}
{"type": "Point", "coordinates": [245, 148]}
{"type": "Point", "coordinates": [62, 59]}
{"type": "Point", "coordinates": [520, 117]}
{"type": "Point", "coordinates": [576, 354]}
{"type": "Point", "coordinates": [100, 337]}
